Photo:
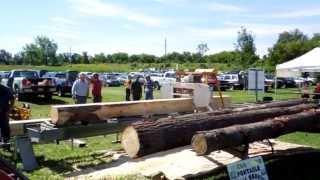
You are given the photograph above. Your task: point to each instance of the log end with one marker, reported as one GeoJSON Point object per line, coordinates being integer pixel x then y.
{"type": "Point", "coordinates": [130, 141]}
{"type": "Point", "coordinates": [199, 144]}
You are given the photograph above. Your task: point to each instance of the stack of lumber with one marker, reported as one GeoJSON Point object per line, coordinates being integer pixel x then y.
{"type": "Point", "coordinates": [147, 137]}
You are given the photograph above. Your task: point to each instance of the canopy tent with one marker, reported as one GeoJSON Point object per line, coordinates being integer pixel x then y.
{"type": "Point", "coordinates": [309, 62]}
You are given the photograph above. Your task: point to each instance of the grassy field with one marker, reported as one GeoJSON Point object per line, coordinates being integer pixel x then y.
{"type": "Point", "coordinates": [114, 67]}
{"type": "Point", "coordinates": [58, 160]}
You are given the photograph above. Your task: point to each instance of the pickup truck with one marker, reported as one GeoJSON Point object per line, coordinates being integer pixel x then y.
{"type": "Point", "coordinates": [63, 80]}
{"type": "Point", "coordinates": [160, 79]}
{"type": "Point", "coordinates": [28, 83]}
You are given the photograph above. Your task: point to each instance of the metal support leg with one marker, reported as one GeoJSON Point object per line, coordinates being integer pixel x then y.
{"type": "Point", "coordinates": [25, 149]}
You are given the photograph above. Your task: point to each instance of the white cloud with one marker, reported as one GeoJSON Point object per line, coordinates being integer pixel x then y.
{"type": "Point", "coordinates": [63, 21]}
{"type": "Point", "coordinates": [302, 12]}
{"type": "Point", "coordinates": [104, 9]}
{"type": "Point", "coordinates": [221, 33]}
{"type": "Point", "coordinates": [220, 7]}
{"type": "Point", "coordinates": [309, 12]}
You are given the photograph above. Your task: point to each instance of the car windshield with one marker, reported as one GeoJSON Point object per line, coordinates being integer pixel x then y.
{"type": "Point", "coordinates": [234, 77]}
{"type": "Point", "coordinates": [268, 76]}
{"type": "Point", "coordinates": [112, 77]}
{"type": "Point", "coordinates": [27, 74]}
{"type": "Point", "coordinates": [61, 76]}
{"type": "Point", "coordinates": [171, 75]}
{"type": "Point", "coordinates": [226, 77]}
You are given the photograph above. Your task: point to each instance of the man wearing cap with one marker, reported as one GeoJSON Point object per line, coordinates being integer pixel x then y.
{"type": "Point", "coordinates": [80, 89]}
{"type": "Point", "coordinates": [6, 102]}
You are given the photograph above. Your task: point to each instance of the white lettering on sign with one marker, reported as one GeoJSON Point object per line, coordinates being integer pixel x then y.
{"type": "Point", "coordinates": [249, 169]}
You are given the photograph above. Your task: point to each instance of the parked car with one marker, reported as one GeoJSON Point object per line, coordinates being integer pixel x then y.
{"type": "Point", "coordinates": [111, 80]}
{"type": "Point", "coordinates": [64, 81]}
{"type": "Point", "coordinates": [287, 82]}
{"type": "Point", "coordinates": [41, 72]}
{"type": "Point", "coordinates": [235, 81]}
{"type": "Point", "coordinates": [88, 74]}
{"type": "Point", "coordinates": [159, 79]}
{"type": "Point", "coordinates": [311, 80]}
{"type": "Point", "coordinates": [268, 82]}
{"type": "Point", "coordinates": [4, 74]}
{"type": "Point", "coordinates": [28, 83]}
{"type": "Point", "coordinates": [122, 78]}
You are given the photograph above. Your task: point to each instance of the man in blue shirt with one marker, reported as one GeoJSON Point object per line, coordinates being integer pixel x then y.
{"type": "Point", "coordinates": [6, 102]}
{"type": "Point", "coordinates": [148, 88]}
{"type": "Point", "coordinates": [80, 89]}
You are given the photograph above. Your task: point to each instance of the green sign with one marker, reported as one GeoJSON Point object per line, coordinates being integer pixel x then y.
{"type": "Point", "coordinates": [249, 169]}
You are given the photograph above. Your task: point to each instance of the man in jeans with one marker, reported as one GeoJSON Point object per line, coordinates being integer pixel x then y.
{"type": "Point", "coordinates": [148, 88]}
{"type": "Point", "coordinates": [80, 89]}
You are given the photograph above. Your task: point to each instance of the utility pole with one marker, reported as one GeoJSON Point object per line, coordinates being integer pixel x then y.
{"type": "Point", "coordinates": [165, 46]}
{"type": "Point", "coordinates": [70, 55]}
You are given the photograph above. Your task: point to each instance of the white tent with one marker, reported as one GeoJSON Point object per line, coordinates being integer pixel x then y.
{"type": "Point", "coordinates": [309, 62]}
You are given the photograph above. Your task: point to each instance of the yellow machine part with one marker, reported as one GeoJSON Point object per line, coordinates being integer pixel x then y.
{"type": "Point", "coordinates": [17, 113]}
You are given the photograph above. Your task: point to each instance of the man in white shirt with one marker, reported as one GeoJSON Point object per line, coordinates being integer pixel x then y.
{"type": "Point", "coordinates": [80, 89]}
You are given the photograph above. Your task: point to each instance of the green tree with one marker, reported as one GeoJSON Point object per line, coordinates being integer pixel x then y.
{"type": "Point", "coordinates": [42, 51]}
{"type": "Point", "coordinates": [289, 46]}
{"type": "Point", "coordinates": [227, 57]}
{"type": "Point", "coordinates": [5, 57]}
{"type": "Point", "coordinates": [202, 48]}
{"type": "Point", "coordinates": [246, 48]}
{"type": "Point", "coordinates": [120, 57]}
{"type": "Point", "coordinates": [85, 58]}
{"type": "Point", "coordinates": [99, 58]}
{"type": "Point", "coordinates": [48, 49]}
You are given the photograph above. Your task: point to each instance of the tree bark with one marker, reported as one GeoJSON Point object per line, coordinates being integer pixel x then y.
{"type": "Point", "coordinates": [92, 112]}
{"type": "Point", "coordinates": [207, 141]}
{"type": "Point", "coordinates": [147, 137]}
{"type": "Point", "coordinates": [70, 114]}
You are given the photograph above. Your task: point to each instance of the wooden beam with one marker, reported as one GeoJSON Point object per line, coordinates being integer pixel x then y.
{"type": "Point", "coordinates": [70, 114]}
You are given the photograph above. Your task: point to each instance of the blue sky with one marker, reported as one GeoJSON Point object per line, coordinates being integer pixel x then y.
{"type": "Point", "coordinates": [140, 26]}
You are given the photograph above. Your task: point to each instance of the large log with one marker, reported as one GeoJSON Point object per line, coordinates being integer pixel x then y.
{"type": "Point", "coordinates": [285, 103]}
{"type": "Point", "coordinates": [206, 142]}
{"type": "Point", "coordinates": [70, 114]}
{"type": "Point", "coordinates": [148, 137]}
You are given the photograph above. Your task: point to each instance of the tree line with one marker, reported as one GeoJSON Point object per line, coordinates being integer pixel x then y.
{"type": "Point", "coordinates": [290, 44]}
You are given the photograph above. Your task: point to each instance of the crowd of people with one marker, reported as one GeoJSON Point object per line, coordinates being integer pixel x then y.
{"type": "Point", "coordinates": [133, 89]}
{"type": "Point", "coordinates": [80, 92]}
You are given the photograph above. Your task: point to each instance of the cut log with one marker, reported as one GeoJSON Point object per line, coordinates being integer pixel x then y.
{"type": "Point", "coordinates": [70, 114]}
{"type": "Point", "coordinates": [147, 137]}
{"type": "Point", "coordinates": [206, 142]}
{"type": "Point", "coordinates": [274, 104]}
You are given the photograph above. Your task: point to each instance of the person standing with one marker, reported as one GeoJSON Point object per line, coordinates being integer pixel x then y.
{"type": "Point", "coordinates": [96, 88]}
{"type": "Point", "coordinates": [317, 91]}
{"type": "Point", "coordinates": [6, 102]}
{"type": "Point", "coordinates": [136, 90]}
{"type": "Point", "coordinates": [127, 85]}
{"type": "Point", "coordinates": [148, 88]}
{"type": "Point", "coordinates": [80, 89]}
